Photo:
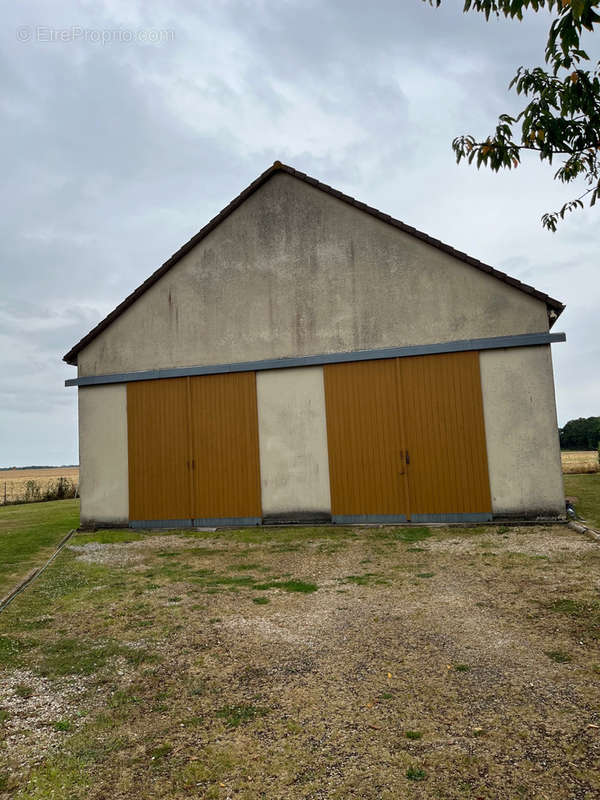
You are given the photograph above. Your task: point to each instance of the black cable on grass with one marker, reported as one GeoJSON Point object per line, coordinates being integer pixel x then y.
{"type": "Point", "coordinates": [28, 581]}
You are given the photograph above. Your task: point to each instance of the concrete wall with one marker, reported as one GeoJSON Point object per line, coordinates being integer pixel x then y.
{"type": "Point", "coordinates": [522, 432]}
{"type": "Point", "coordinates": [294, 463]}
{"type": "Point", "coordinates": [295, 271]}
{"type": "Point", "coordinates": [103, 479]}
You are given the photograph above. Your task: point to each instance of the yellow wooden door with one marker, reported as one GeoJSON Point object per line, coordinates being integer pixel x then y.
{"type": "Point", "coordinates": [193, 449]}
{"type": "Point", "coordinates": [367, 473]}
{"type": "Point", "coordinates": [406, 438]}
{"type": "Point", "coordinates": [224, 442]}
{"type": "Point", "coordinates": [442, 408]}
{"type": "Point", "coordinates": [159, 449]}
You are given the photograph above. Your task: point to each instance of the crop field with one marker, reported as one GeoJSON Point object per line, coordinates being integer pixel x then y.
{"type": "Point", "coordinates": [314, 663]}
{"type": "Point", "coordinates": [25, 485]}
{"type": "Point", "coordinates": [579, 461]}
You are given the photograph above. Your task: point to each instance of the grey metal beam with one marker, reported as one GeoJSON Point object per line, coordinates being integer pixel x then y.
{"type": "Point", "coordinates": [491, 343]}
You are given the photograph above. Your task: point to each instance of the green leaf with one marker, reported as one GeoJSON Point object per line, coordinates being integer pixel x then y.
{"type": "Point", "coordinates": [577, 8]}
{"type": "Point", "coordinates": [561, 119]}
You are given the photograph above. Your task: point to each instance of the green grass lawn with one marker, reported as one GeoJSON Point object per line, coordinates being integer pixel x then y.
{"type": "Point", "coordinates": [586, 488]}
{"type": "Point", "coordinates": [29, 533]}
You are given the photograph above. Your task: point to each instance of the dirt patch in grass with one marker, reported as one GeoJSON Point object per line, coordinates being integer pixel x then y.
{"type": "Point", "coordinates": [479, 681]}
{"type": "Point", "coordinates": [554, 541]}
{"type": "Point", "coordinates": [126, 554]}
{"type": "Point", "coordinates": [34, 707]}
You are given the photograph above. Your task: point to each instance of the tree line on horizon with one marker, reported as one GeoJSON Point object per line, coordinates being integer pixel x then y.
{"type": "Point", "coordinates": [42, 466]}
{"type": "Point", "coordinates": [580, 434]}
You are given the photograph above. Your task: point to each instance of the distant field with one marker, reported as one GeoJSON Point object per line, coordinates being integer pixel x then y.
{"type": "Point", "coordinates": [15, 484]}
{"type": "Point", "coordinates": [579, 461]}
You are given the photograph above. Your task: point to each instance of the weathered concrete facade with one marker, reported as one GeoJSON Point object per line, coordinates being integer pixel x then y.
{"type": "Point", "coordinates": [295, 271]}
{"type": "Point", "coordinates": [103, 478]}
{"type": "Point", "coordinates": [292, 429]}
{"type": "Point", "coordinates": [522, 432]}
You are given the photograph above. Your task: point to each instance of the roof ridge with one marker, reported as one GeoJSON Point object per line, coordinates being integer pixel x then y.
{"type": "Point", "coordinates": [71, 357]}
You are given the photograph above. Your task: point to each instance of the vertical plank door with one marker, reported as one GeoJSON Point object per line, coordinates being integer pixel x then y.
{"type": "Point", "coordinates": [159, 450]}
{"type": "Point", "coordinates": [365, 440]}
{"type": "Point", "coordinates": [224, 445]}
{"type": "Point", "coordinates": [445, 435]}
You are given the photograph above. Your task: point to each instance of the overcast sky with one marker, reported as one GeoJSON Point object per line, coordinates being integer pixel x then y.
{"type": "Point", "coordinates": [116, 152]}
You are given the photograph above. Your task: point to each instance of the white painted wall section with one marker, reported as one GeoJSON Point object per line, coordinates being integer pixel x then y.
{"type": "Point", "coordinates": [103, 455]}
{"type": "Point", "coordinates": [294, 463]}
{"type": "Point", "coordinates": [522, 431]}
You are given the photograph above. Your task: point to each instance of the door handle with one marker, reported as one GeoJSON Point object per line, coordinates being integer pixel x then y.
{"type": "Point", "coordinates": [404, 459]}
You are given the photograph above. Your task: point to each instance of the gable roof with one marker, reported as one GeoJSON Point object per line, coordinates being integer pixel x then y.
{"type": "Point", "coordinates": [555, 307]}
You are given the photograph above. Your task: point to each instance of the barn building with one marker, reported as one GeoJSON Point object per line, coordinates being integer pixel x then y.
{"type": "Point", "coordinates": [307, 357]}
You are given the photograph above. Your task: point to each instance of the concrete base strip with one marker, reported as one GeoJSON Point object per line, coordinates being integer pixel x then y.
{"type": "Point", "coordinates": [368, 520]}
{"type": "Point", "coordinates": [29, 579]}
{"type": "Point", "coordinates": [212, 522]}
